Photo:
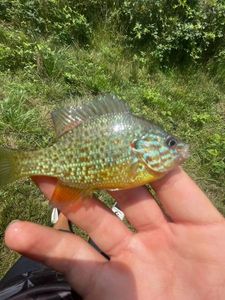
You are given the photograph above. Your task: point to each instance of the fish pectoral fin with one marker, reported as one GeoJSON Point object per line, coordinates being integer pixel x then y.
{"type": "Point", "coordinates": [133, 170]}
{"type": "Point", "coordinates": [64, 194]}
{"type": "Point", "coordinates": [136, 168]}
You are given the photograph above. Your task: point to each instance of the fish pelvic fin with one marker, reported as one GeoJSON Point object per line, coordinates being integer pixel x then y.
{"type": "Point", "coordinates": [9, 170]}
{"type": "Point", "coordinates": [64, 194]}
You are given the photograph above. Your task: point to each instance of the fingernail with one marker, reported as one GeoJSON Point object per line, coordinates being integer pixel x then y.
{"type": "Point", "coordinates": [9, 225]}
{"type": "Point", "coordinates": [13, 221]}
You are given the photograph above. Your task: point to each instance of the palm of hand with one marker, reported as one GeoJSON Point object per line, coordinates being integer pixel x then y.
{"type": "Point", "coordinates": [180, 259]}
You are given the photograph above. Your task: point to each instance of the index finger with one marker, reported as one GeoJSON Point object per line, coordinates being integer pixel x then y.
{"type": "Point", "coordinates": [183, 200]}
{"type": "Point", "coordinates": [89, 214]}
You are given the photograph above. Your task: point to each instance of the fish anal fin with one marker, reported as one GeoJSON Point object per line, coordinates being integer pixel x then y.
{"type": "Point", "coordinates": [64, 194]}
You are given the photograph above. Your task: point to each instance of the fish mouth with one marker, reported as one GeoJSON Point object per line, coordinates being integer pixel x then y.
{"type": "Point", "coordinates": [184, 152]}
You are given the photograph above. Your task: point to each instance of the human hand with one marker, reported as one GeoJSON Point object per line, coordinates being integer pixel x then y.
{"type": "Point", "coordinates": [179, 259]}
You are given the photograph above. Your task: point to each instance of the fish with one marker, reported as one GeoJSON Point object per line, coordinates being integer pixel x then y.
{"type": "Point", "coordinates": [100, 145]}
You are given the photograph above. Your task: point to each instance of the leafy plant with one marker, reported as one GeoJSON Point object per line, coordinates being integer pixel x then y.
{"type": "Point", "coordinates": [175, 32]}
{"type": "Point", "coordinates": [51, 17]}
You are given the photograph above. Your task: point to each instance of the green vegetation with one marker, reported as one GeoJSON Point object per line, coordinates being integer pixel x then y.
{"type": "Point", "coordinates": [166, 60]}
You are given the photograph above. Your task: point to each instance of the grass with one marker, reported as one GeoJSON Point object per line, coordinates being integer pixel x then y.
{"type": "Point", "coordinates": [188, 103]}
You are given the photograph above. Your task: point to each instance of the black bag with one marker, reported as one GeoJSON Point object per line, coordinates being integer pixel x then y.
{"type": "Point", "coordinates": [42, 284]}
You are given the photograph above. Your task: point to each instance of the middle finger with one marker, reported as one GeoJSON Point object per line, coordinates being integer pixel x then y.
{"type": "Point", "coordinates": [140, 208]}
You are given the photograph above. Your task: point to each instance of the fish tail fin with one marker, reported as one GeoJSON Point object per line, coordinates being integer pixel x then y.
{"type": "Point", "coordinates": [9, 170]}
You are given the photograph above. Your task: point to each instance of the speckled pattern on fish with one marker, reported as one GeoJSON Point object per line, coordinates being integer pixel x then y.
{"type": "Point", "coordinates": [101, 145]}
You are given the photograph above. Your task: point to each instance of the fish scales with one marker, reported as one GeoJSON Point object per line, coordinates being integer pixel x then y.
{"type": "Point", "coordinates": [96, 153]}
{"type": "Point", "coordinates": [100, 145]}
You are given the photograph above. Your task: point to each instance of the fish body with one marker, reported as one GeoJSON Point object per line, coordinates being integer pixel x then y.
{"type": "Point", "coordinates": [100, 146]}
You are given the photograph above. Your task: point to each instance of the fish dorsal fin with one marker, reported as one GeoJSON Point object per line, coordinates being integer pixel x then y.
{"type": "Point", "coordinates": [68, 118]}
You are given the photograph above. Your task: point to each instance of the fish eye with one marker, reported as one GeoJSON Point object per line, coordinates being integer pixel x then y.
{"type": "Point", "coordinates": [171, 142]}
